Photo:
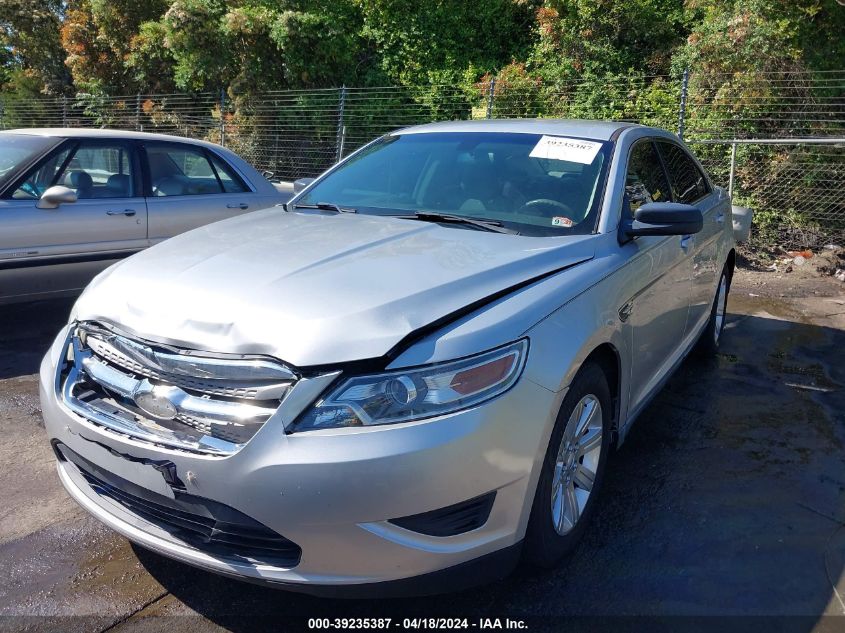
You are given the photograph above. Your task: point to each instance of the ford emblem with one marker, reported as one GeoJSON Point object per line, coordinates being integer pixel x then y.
{"type": "Point", "coordinates": [156, 406]}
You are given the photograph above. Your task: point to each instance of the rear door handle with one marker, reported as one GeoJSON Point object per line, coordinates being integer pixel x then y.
{"type": "Point", "coordinates": [686, 241]}
{"type": "Point", "coordinates": [127, 212]}
{"type": "Point", "coordinates": [721, 217]}
{"type": "Point", "coordinates": [240, 205]}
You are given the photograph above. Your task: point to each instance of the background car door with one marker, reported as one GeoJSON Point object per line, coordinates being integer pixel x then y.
{"type": "Point", "coordinates": [190, 186]}
{"type": "Point", "coordinates": [62, 249]}
{"type": "Point", "coordinates": [656, 311]}
{"type": "Point", "coordinates": [691, 187]}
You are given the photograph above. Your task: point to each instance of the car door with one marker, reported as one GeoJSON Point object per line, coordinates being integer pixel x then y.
{"type": "Point", "coordinates": [188, 186]}
{"type": "Point", "coordinates": [655, 313]}
{"type": "Point", "coordinates": [690, 186]}
{"type": "Point", "coordinates": [46, 251]}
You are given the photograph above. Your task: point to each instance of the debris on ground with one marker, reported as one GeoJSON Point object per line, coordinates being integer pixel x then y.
{"type": "Point", "coordinates": [824, 261]}
{"type": "Point", "coordinates": [800, 254]}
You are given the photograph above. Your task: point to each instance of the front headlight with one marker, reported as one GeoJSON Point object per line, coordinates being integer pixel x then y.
{"type": "Point", "coordinates": [421, 392]}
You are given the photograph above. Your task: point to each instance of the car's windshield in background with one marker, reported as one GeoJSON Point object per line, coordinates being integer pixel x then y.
{"type": "Point", "coordinates": [534, 184]}
{"type": "Point", "coordinates": [16, 149]}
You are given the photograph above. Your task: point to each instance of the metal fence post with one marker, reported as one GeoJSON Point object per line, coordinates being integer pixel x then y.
{"type": "Point", "coordinates": [64, 111]}
{"type": "Point", "coordinates": [682, 112]}
{"type": "Point", "coordinates": [138, 126]}
{"type": "Point", "coordinates": [733, 171]}
{"type": "Point", "coordinates": [491, 92]}
{"type": "Point", "coordinates": [2, 114]}
{"type": "Point", "coordinates": [223, 117]}
{"type": "Point", "coordinates": [341, 127]}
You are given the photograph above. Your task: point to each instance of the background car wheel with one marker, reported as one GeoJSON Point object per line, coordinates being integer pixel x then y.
{"type": "Point", "coordinates": [573, 470]}
{"type": "Point", "coordinates": [708, 344]}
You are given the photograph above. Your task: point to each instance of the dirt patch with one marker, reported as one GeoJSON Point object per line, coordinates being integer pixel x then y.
{"type": "Point", "coordinates": [828, 261]}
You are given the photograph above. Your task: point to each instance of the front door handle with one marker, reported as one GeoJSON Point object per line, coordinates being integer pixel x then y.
{"type": "Point", "coordinates": [686, 241]}
{"type": "Point", "coordinates": [241, 205]}
{"type": "Point", "coordinates": [127, 212]}
{"type": "Point", "coordinates": [721, 217]}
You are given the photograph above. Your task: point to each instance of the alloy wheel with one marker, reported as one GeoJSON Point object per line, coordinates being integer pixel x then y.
{"type": "Point", "coordinates": [576, 464]}
{"type": "Point", "coordinates": [721, 308]}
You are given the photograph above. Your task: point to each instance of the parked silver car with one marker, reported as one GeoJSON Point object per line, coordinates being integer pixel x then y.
{"type": "Point", "coordinates": [74, 201]}
{"type": "Point", "coordinates": [410, 377]}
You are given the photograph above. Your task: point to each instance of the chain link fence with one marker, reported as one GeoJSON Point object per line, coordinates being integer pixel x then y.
{"type": "Point", "coordinates": [776, 140]}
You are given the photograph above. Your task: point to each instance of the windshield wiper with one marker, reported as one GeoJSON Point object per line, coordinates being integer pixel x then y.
{"type": "Point", "coordinates": [326, 206]}
{"type": "Point", "coordinates": [494, 226]}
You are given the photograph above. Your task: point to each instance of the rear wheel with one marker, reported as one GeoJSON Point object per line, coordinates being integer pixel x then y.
{"type": "Point", "coordinates": [573, 470]}
{"type": "Point", "coordinates": [708, 344]}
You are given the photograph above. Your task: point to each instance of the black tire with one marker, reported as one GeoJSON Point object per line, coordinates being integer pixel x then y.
{"type": "Point", "coordinates": [708, 344]}
{"type": "Point", "coordinates": [544, 546]}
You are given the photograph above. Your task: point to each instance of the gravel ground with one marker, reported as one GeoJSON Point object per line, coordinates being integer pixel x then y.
{"type": "Point", "coordinates": [727, 499]}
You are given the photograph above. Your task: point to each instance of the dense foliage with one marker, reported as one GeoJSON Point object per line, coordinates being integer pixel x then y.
{"type": "Point", "coordinates": [756, 70]}
{"type": "Point", "coordinates": [124, 46]}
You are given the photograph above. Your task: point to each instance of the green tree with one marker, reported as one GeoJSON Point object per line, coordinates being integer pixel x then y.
{"type": "Point", "coordinates": [417, 42]}
{"type": "Point", "coordinates": [98, 36]}
{"type": "Point", "coordinates": [254, 45]}
{"type": "Point", "coordinates": [31, 54]}
{"type": "Point", "coordinates": [599, 37]}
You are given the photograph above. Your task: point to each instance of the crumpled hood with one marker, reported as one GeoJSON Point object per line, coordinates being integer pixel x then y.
{"type": "Point", "coordinates": [314, 289]}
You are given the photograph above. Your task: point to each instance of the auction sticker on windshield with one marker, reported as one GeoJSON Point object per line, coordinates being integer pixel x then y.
{"type": "Point", "coordinates": [559, 220]}
{"type": "Point", "coordinates": [562, 148]}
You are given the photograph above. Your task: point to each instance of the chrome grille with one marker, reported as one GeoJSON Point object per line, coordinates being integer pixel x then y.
{"type": "Point", "coordinates": [175, 397]}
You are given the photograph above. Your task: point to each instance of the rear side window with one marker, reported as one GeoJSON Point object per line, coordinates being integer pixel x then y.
{"type": "Point", "coordinates": [179, 170]}
{"type": "Point", "coordinates": [228, 178]}
{"type": "Point", "coordinates": [688, 182]}
{"type": "Point", "coordinates": [645, 180]}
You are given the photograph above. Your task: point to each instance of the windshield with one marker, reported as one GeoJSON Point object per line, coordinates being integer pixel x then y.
{"type": "Point", "coordinates": [16, 149]}
{"type": "Point", "coordinates": [533, 184]}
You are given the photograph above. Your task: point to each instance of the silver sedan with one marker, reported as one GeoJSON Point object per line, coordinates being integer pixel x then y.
{"type": "Point", "coordinates": [74, 201]}
{"type": "Point", "coordinates": [411, 376]}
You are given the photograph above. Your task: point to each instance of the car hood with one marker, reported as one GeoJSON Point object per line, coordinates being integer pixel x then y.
{"type": "Point", "coordinates": [315, 289]}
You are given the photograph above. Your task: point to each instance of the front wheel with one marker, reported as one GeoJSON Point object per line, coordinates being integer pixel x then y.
{"type": "Point", "coordinates": [573, 470]}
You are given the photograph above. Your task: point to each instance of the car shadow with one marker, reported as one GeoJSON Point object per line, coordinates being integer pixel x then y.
{"type": "Point", "coordinates": [726, 499]}
{"type": "Point", "coordinates": [26, 332]}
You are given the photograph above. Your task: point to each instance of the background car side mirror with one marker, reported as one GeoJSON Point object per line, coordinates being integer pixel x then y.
{"type": "Point", "coordinates": [663, 218]}
{"type": "Point", "coordinates": [300, 183]}
{"type": "Point", "coordinates": [54, 196]}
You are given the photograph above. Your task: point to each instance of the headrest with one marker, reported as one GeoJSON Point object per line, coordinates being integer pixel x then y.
{"type": "Point", "coordinates": [118, 182]}
{"type": "Point", "coordinates": [80, 180]}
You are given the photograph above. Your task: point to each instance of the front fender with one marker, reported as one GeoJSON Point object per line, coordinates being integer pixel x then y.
{"type": "Point", "coordinates": [563, 341]}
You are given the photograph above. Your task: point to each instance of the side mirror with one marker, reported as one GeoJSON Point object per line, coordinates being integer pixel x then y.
{"type": "Point", "coordinates": [664, 218]}
{"type": "Point", "coordinates": [55, 196]}
{"type": "Point", "coordinates": [300, 183]}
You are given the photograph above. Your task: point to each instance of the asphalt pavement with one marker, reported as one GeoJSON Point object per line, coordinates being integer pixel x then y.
{"type": "Point", "coordinates": [726, 500]}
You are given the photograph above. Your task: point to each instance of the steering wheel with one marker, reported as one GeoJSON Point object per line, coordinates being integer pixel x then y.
{"type": "Point", "coordinates": [31, 189]}
{"type": "Point", "coordinates": [544, 207]}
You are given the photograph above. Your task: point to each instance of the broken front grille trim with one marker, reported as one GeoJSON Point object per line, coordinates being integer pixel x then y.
{"type": "Point", "coordinates": [99, 389]}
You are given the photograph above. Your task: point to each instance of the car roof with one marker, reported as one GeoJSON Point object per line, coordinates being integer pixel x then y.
{"type": "Point", "coordinates": [74, 132]}
{"type": "Point", "coordinates": [599, 130]}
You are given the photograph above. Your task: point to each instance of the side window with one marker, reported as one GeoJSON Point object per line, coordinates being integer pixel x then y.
{"type": "Point", "coordinates": [231, 182]}
{"type": "Point", "coordinates": [92, 170]}
{"type": "Point", "coordinates": [42, 177]}
{"type": "Point", "coordinates": [99, 171]}
{"type": "Point", "coordinates": [688, 183]}
{"type": "Point", "coordinates": [180, 170]}
{"type": "Point", "coordinates": [645, 180]}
